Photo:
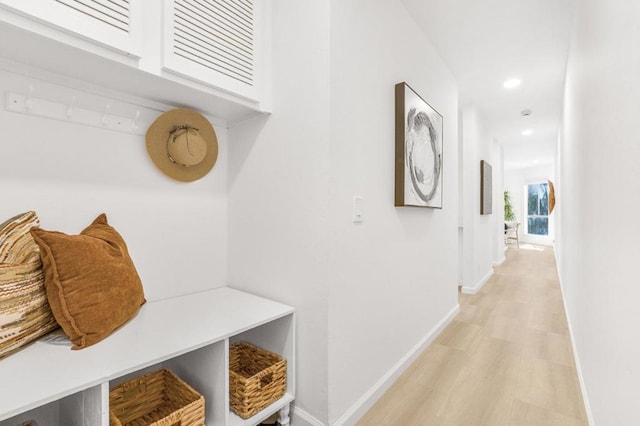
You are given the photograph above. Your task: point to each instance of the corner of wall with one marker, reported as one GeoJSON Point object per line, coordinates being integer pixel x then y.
{"type": "Point", "coordinates": [357, 410]}
{"type": "Point", "coordinates": [300, 417]}
{"type": "Point", "coordinates": [474, 289]}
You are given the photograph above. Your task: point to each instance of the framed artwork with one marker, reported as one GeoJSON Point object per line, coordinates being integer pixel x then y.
{"type": "Point", "coordinates": [486, 193]}
{"type": "Point", "coordinates": [418, 169]}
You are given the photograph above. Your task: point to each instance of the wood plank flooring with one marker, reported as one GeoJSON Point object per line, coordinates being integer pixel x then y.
{"type": "Point", "coordinates": [506, 359]}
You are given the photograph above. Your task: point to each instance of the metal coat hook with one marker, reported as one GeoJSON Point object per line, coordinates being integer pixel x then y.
{"type": "Point", "coordinates": [69, 112]}
{"type": "Point", "coordinates": [105, 119]}
{"type": "Point", "coordinates": [134, 125]}
{"type": "Point", "coordinates": [28, 103]}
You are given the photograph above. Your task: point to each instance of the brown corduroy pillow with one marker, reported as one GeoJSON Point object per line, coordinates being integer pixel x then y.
{"type": "Point", "coordinates": [92, 285]}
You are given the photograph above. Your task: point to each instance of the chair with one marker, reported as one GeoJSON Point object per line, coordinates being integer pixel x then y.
{"type": "Point", "coordinates": [511, 233]}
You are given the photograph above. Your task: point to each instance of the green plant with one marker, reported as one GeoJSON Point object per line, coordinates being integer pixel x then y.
{"type": "Point", "coordinates": [509, 215]}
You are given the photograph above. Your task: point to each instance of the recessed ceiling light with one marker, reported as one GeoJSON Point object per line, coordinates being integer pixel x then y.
{"type": "Point", "coordinates": [512, 82]}
{"type": "Point", "coordinates": [527, 132]}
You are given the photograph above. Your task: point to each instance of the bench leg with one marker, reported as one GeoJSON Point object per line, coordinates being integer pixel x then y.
{"type": "Point", "coordinates": [283, 418]}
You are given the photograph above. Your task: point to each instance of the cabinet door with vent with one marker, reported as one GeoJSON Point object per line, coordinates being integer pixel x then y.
{"type": "Point", "coordinates": [219, 43]}
{"type": "Point", "coordinates": [108, 23]}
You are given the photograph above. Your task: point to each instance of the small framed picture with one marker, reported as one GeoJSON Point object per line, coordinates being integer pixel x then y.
{"type": "Point", "coordinates": [486, 193]}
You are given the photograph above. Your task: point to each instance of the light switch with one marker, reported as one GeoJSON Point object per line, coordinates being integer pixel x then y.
{"type": "Point", "coordinates": [357, 209]}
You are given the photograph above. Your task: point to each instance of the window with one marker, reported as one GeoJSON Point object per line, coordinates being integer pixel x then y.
{"type": "Point", "coordinates": [538, 209]}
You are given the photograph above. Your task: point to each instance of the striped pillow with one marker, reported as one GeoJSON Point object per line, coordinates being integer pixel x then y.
{"type": "Point", "coordinates": [24, 311]}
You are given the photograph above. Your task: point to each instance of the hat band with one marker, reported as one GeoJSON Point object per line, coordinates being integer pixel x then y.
{"type": "Point", "coordinates": [179, 130]}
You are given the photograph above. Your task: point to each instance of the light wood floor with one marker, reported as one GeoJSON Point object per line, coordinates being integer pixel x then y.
{"type": "Point", "coordinates": [506, 359]}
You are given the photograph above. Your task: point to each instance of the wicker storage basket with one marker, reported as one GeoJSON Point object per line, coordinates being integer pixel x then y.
{"type": "Point", "coordinates": [256, 378]}
{"type": "Point", "coordinates": [159, 399]}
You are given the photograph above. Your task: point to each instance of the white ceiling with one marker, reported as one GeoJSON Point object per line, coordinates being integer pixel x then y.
{"type": "Point", "coordinates": [484, 43]}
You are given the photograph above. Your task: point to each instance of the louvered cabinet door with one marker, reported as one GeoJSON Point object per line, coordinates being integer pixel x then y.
{"type": "Point", "coordinates": [108, 23]}
{"type": "Point", "coordinates": [219, 43]}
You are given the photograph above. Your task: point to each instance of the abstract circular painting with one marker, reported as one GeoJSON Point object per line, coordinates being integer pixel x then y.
{"type": "Point", "coordinates": [418, 151]}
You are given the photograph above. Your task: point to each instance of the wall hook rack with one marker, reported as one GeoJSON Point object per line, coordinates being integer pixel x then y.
{"type": "Point", "coordinates": [75, 112]}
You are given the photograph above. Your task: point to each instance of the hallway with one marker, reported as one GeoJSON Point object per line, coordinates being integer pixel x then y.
{"type": "Point", "coordinates": [505, 360]}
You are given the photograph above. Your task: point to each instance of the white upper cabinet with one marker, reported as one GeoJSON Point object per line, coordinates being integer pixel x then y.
{"type": "Point", "coordinates": [212, 55]}
{"type": "Point", "coordinates": [218, 43]}
{"type": "Point", "coordinates": [108, 23]}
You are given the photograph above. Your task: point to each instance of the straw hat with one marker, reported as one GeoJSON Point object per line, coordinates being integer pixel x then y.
{"type": "Point", "coordinates": [182, 144]}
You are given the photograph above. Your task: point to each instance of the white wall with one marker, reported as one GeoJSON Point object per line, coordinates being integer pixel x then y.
{"type": "Point", "coordinates": [516, 181]}
{"type": "Point", "coordinates": [394, 276]}
{"type": "Point", "coordinates": [600, 190]}
{"type": "Point", "coordinates": [69, 173]}
{"type": "Point", "coordinates": [497, 217]}
{"type": "Point", "coordinates": [480, 233]}
{"type": "Point", "coordinates": [365, 294]}
{"type": "Point", "coordinates": [279, 193]}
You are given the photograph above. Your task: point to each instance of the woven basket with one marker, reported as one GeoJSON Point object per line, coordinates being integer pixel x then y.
{"type": "Point", "coordinates": [257, 378]}
{"type": "Point", "coordinates": [159, 399]}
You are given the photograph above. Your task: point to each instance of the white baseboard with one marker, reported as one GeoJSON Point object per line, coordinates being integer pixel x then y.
{"type": "Point", "coordinates": [300, 417]}
{"type": "Point", "coordinates": [576, 358]}
{"type": "Point", "coordinates": [499, 262]}
{"type": "Point", "coordinates": [476, 288]}
{"type": "Point", "coordinates": [357, 410]}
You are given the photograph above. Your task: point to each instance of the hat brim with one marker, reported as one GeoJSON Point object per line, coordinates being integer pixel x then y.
{"type": "Point", "coordinates": [158, 134]}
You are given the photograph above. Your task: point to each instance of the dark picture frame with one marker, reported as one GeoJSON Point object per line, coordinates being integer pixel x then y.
{"type": "Point", "coordinates": [418, 150]}
{"type": "Point", "coordinates": [486, 188]}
